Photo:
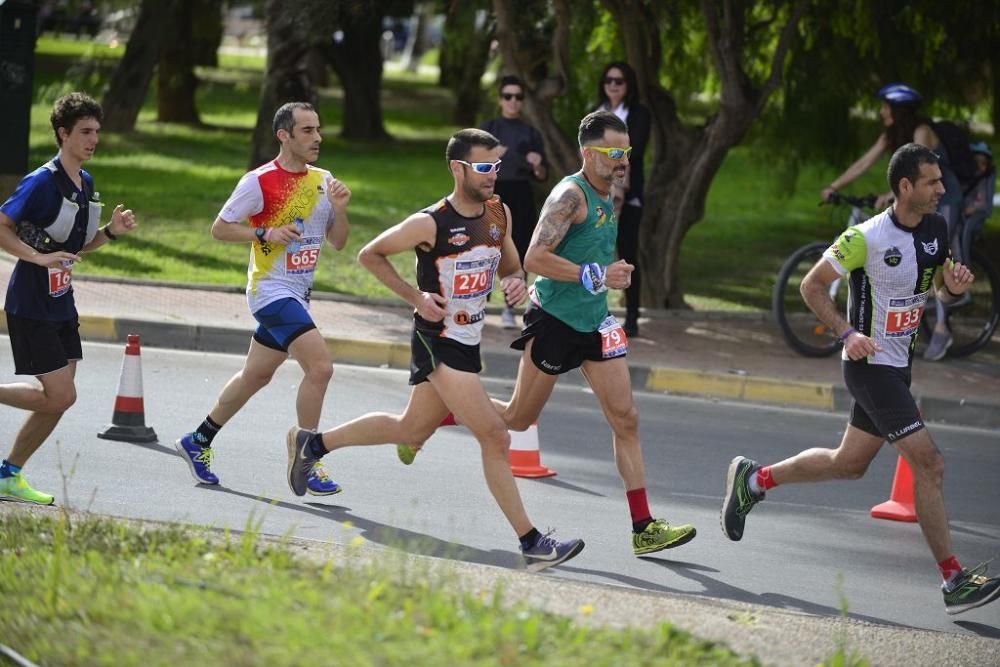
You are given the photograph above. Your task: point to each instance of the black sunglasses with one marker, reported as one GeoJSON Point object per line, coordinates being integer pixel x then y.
{"type": "Point", "coordinates": [513, 96]}
{"type": "Point", "coordinates": [614, 80]}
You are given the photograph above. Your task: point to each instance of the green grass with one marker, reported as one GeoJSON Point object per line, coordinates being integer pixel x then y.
{"type": "Point", "coordinates": [176, 178]}
{"type": "Point", "coordinates": [98, 592]}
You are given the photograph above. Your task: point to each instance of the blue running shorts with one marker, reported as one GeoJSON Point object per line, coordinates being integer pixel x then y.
{"type": "Point", "coordinates": [281, 322]}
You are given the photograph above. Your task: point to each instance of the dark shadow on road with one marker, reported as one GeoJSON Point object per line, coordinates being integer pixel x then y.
{"type": "Point", "coordinates": [712, 587]}
{"type": "Point", "coordinates": [418, 543]}
{"type": "Point", "coordinates": [275, 503]}
{"type": "Point", "coordinates": [969, 531]}
{"type": "Point", "coordinates": [157, 447]}
{"type": "Point", "coordinates": [551, 481]}
{"type": "Point", "coordinates": [980, 629]}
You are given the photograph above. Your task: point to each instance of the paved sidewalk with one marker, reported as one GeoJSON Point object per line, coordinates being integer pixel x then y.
{"type": "Point", "coordinates": [727, 355]}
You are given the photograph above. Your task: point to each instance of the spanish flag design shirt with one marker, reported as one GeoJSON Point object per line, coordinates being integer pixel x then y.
{"type": "Point", "coordinates": [270, 196]}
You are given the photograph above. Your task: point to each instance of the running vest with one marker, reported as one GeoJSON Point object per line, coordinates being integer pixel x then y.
{"type": "Point", "coordinates": [55, 234]}
{"type": "Point", "coordinates": [461, 267]}
{"type": "Point", "coordinates": [891, 271]}
{"type": "Point", "coordinates": [592, 241]}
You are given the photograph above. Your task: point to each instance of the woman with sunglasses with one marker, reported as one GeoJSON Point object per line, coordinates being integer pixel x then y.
{"type": "Point", "coordinates": [618, 92]}
{"type": "Point", "coordinates": [523, 156]}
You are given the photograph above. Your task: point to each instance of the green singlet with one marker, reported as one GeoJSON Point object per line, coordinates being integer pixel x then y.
{"type": "Point", "coordinates": [592, 241]}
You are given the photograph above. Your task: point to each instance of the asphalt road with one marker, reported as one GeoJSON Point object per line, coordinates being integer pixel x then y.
{"type": "Point", "coordinates": [810, 548]}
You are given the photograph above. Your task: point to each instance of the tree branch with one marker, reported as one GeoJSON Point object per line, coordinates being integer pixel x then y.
{"type": "Point", "coordinates": [788, 33]}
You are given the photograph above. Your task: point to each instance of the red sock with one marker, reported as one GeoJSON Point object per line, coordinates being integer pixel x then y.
{"type": "Point", "coordinates": [949, 567]}
{"type": "Point", "coordinates": [764, 479]}
{"type": "Point", "coordinates": [638, 506]}
{"type": "Point", "coordinates": [448, 421]}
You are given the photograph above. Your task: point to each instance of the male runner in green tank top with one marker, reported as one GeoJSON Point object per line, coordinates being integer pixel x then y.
{"type": "Point", "coordinates": [568, 324]}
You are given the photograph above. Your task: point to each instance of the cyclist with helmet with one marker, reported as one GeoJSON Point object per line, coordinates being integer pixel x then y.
{"type": "Point", "coordinates": [903, 124]}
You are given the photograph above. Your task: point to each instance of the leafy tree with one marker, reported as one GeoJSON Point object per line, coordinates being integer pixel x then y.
{"type": "Point", "coordinates": [195, 27]}
{"type": "Point", "coordinates": [130, 82]}
{"type": "Point", "coordinates": [286, 75]}
{"type": "Point", "coordinates": [465, 48]}
{"type": "Point", "coordinates": [746, 45]}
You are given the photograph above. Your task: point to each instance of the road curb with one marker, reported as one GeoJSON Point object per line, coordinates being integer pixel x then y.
{"type": "Point", "coordinates": [504, 364]}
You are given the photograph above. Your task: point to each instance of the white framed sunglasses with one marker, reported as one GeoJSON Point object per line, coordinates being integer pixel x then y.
{"type": "Point", "coordinates": [482, 167]}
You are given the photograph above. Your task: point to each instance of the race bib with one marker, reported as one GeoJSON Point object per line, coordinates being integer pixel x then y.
{"type": "Point", "coordinates": [473, 278]}
{"type": "Point", "coordinates": [613, 340]}
{"type": "Point", "coordinates": [303, 260]}
{"type": "Point", "coordinates": [60, 278]}
{"type": "Point", "coordinates": [903, 315]}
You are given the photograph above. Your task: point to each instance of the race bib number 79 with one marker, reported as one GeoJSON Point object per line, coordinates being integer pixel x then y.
{"type": "Point", "coordinates": [613, 340]}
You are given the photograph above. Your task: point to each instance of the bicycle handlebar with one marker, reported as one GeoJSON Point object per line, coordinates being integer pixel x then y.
{"type": "Point", "coordinates": [836, 199]}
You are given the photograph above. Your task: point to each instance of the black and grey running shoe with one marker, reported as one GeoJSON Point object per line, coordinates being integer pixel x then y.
{"type": "Point", "coordinates": [972, 589]}
{"type": "Point", "coordinates": [739, 498]}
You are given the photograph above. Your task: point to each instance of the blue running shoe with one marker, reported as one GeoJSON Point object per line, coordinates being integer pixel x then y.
{"type": "Point", "coordinates": [319, 483]}
{"type": "Point", "coordinates": [199, 459]}
{"type": "Point", "coordinates": [548, 552]}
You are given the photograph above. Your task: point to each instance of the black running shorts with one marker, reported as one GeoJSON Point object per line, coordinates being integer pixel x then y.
{"type": "Point", "coordinates": [43, 346]}
{"type": "Point", "coordinates": [428, 350]}
{"type": "Point", "coordinates": [558, 347]}
{"type": "Point", "coordinates": [883, 404]}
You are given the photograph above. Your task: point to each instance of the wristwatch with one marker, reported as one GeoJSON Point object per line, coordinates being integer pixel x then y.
{"type": "Point", "coordinates": [107, 232]}
{"type": "Point", "coordinates": [259, 232]}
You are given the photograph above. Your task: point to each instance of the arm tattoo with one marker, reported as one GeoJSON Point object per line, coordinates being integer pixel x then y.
{"type": "Point", "coordinates": [557, 215]}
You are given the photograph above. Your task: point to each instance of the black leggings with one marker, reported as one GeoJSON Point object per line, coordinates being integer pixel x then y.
{"type": "Point", "coordinates": [628, 249]}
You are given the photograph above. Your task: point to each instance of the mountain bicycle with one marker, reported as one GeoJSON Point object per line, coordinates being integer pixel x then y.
{"type": "Point", "coordinates": [800, 327]}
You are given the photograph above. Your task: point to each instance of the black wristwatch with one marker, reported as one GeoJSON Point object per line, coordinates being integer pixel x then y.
{"type": "Point", "coordinates": [259, 232]}
{"type": "Point", "coordinates": [107, 232]}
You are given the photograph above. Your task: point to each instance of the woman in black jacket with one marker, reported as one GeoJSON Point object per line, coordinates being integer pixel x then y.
{"type": "Point", "coordinates": [618, 92]}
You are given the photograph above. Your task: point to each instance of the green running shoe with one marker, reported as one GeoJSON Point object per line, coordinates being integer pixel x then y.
{"type": "Point", "coordinates": [660, 535]}
{"type": "Point", "coordinates": [16, 488]}
{"type": "Point", "coordinates": [406, 453]}
{"type": "Point", "coordinates": [972, 589]}
{"type": "Point", "coordinates": [739, 498]}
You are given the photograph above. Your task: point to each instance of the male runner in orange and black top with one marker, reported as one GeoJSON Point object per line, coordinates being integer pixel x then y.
{"type": "Point", "coordinates": [461, 242]}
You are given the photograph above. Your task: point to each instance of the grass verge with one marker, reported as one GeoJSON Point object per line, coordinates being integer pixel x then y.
{"type": "Point", "coordinates": [102, 592]}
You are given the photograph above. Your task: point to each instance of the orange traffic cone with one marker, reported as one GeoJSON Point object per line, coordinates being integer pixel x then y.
{"type": "Point", "coordinates": [899, 507]}
{"type": "Point", "coordinates": [128, 423]}
{"type": "Point", "coordinates": [525, 457]}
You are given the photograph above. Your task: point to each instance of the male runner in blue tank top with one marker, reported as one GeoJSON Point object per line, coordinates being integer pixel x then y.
{"type": "Point", "coordinates": [50, 220]}
{"type": "Point", "coordinates": [890, 260]}
{"type": "Point", "coordinates": [461, 242]}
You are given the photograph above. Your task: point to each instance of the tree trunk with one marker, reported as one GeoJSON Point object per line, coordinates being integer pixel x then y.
{"type": "Point", "coordinates": [286, 77]}
{"type": "Point", "coordinates": [416, 44]}
{"type": "Point", "coordinates": [356, 56]}
{"type": "Point", "coordinates": [686, 160]}
{"type": "Point", "coordinates": [465, 48]}
{"type": "Point", "coordinates": [130, 82]}
{"type": "Point", "coordinates": [176, 81]}
{"type": "Point", "coordinates": [561, 152]}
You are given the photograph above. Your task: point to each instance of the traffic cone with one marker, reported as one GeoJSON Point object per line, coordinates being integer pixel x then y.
{"type": "Point", "coordinates": [525, 457]}
{"type": "Point", "coordinates": [899, 507]}
{"type": "Point", "coordinates": [128, 423]}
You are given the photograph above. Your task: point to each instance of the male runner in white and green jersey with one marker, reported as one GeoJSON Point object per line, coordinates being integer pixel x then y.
{"type": "Point", "coordinates": [891, 260]}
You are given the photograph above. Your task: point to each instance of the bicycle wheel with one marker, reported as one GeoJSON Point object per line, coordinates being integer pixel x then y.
{"type": "Point", "coordinates": [972, 321]}
{"type": "Point", "coordinates": [801, 329]}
